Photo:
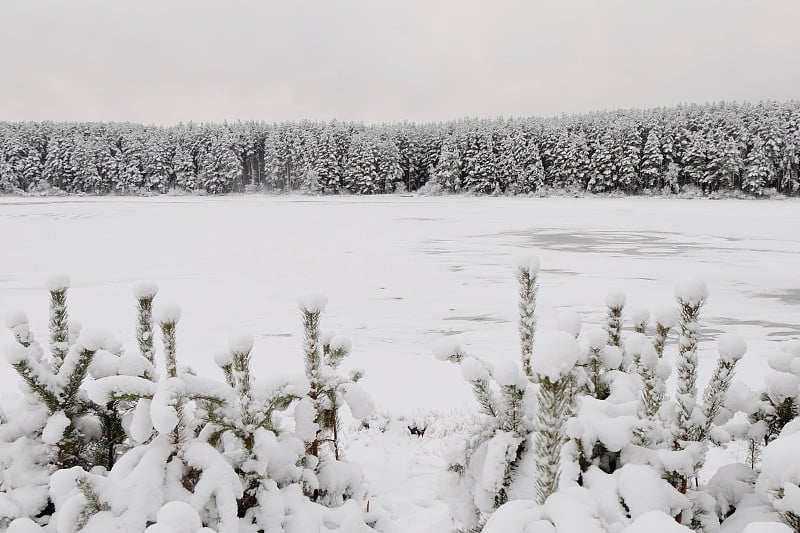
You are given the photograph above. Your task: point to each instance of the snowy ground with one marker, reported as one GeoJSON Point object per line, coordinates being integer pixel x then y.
{"type": "Point", "coordinates": [400, 273]}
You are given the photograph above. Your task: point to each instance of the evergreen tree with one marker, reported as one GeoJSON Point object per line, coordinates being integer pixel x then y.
{"type": "Point", "coordinates": [326, 165]}
{"type": "Point", "coordinates": [603, 170]}
{"type": "Point", "coordinates": [630, 155]}
{"type": "Point", "coordinates": [184, 168]}
{"type": "Point", "coordinates": [387, 165]}
{"type": "Point", "coordinates": [219, 168]}
{"type": "Point", "coordinates": [447, 174]}
{"type": "Point", "coordinates": [360, 173]}
{"type": "Point", "coordinates": [652, 162]}
{"type": "Point", "coordinates": [758, 171]}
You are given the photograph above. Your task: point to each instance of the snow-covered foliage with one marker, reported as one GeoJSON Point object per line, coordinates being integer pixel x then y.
{"type": "Point", "coordinates": [100, 441]}
{"type": "Point", "coordinates": [582, 433]}
{"type": "Point", "coordinates": [735, 147]}
{"type": "Point", "coordinates": [604, 446]}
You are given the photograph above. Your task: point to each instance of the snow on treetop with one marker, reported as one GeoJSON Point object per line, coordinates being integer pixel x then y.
{"type": "Point", "coordinates": [507, 373]}
{"type": "Point", "coordinates": [93, 339]}
{"type": "Point", "coordinates": [341, 343]}
{"type": "Point", "coordinates": [223, 358]}
{"type": "Point", "coordinates": [640, 314]}
{"type": "Point", "coordinates": [57, 283]}
{"type": "Point", "coordinates": [782, 385]}
{"type": "Point", "coordinates": [615, 299]}
{"type": "Point", "coordinates": [554, 354]}
{"type": "Point", "coordinates": [569, 322]}
{"type": "Point", "coordinates": [731, 347]}
{"type": "Point", "coordinates": [611, 357]}
{"type": "Point", "coordinates": [667, 316]}
{"type": "Point", "coordinates": [780, 360]}
{"type": "Point", "coordinates": [16, 318]}
{"type": "Point", "coordinates": [597, 338]}
{"type": "Point", "coordinates": [528, 263]}
{"type": "Point", "coordinates": [690, 290]}
{"type": "Point", "coordinates": [168, 313]}
{"type": "Point", "coordinates": [313, 302]}
{"type": "Point", "coordinates": [145, 289]}
{"type": "Point", "coordinates": [635, 343]}
{"type": "Point", "coordinates": [473, 370]}
{"type": "Point", "coordinates": [447, 349]}
{"type": "Point", "coordinates": [663, 369]}
{"type": "Point", "coordinates": [240, 343]}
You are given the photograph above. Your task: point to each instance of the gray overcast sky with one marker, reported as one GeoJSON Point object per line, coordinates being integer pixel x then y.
{"type": "Point", "coordinates": [166, 61]}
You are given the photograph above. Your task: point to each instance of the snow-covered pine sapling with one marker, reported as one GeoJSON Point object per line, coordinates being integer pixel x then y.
{"type": "Point", "coordinates": [731, 349]}
{"type": "Point", "coordinates": [691, 294]}
{"type": "Point", "coordinates": [245, 419]}
{"type": "Point", "coordinates": [328, 392]}
{"type": "Point", "coordinates": [600, 359]}
{"type": "Point", "coordinates": [174, 464]}
{"type": "Point", "coordinates": [168, 318]}
{"type": "Point", "coordinates": [615, 302]}
{"type": "Point", "coordinates": [59, 320]}
{"type": "Point", "coordinates": [488, 462]}
{"type": "Point", "coordinates": [513, 385]}
{"type": "Point", "coordinates": [640, 317]}
{"type": "Point", "coordinates": [115, 361]}
{"type": "Point", "coordinates": [555, 356]}
{"type": "Point", "coordinates": [56, 383]}
{"type": "Point", "coordinates": [665, 318]}
{"type": "Point", "coordinates": [311, 308]}
{"type": "Point", "coordinates": [653, 374]}
{"type": "Point", "coordinates": [527, 278]}
{"type": "Point", "coordinates": [145, 293]}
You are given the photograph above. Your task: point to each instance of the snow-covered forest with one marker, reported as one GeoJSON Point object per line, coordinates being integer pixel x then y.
{"type": "Point", "coordinates": [754, 148]}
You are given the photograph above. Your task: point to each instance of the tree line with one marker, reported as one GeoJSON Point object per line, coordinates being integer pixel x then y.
{"type": "Point", "coordinates": [754, 148]}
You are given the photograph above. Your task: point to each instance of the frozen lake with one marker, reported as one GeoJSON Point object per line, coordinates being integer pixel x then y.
{"type": "Point", "coordinates": [399, 272]}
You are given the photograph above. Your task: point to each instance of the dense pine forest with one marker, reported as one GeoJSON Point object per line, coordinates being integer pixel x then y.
{"type": "Point", "coordinates": [754, 148]}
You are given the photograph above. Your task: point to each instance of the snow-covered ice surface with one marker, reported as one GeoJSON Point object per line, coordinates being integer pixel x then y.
{"type": "Point", "coordinates": [400, 273]}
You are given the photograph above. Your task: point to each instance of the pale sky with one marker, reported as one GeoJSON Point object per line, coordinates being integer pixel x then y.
{"type": "Point", "coordinates": [166, 61]}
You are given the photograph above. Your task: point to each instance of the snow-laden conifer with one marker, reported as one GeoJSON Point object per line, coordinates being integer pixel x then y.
{"type": "Point", "coordinates": [145, 293]}
{"type": "Point", "coordinates": [691, 294]}
{"type": "Point", "coordinates": [59, 319]}
{"type": "Point", "coordinates": [615, 302]}
{"type": "Point", "coordinates": [555, 357]}
{"type": "Point", "coordinates": [328, 392]}
{"type": "Point", "coordinates": [665, 318]}
{"type": "Point", "coordinates": [527, 280]}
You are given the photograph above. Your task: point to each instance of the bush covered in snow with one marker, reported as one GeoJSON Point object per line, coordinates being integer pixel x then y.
{"type": "Point", "coordinates": [583, 435]}
{"type": "Point", "coordinates": [101, 440]}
